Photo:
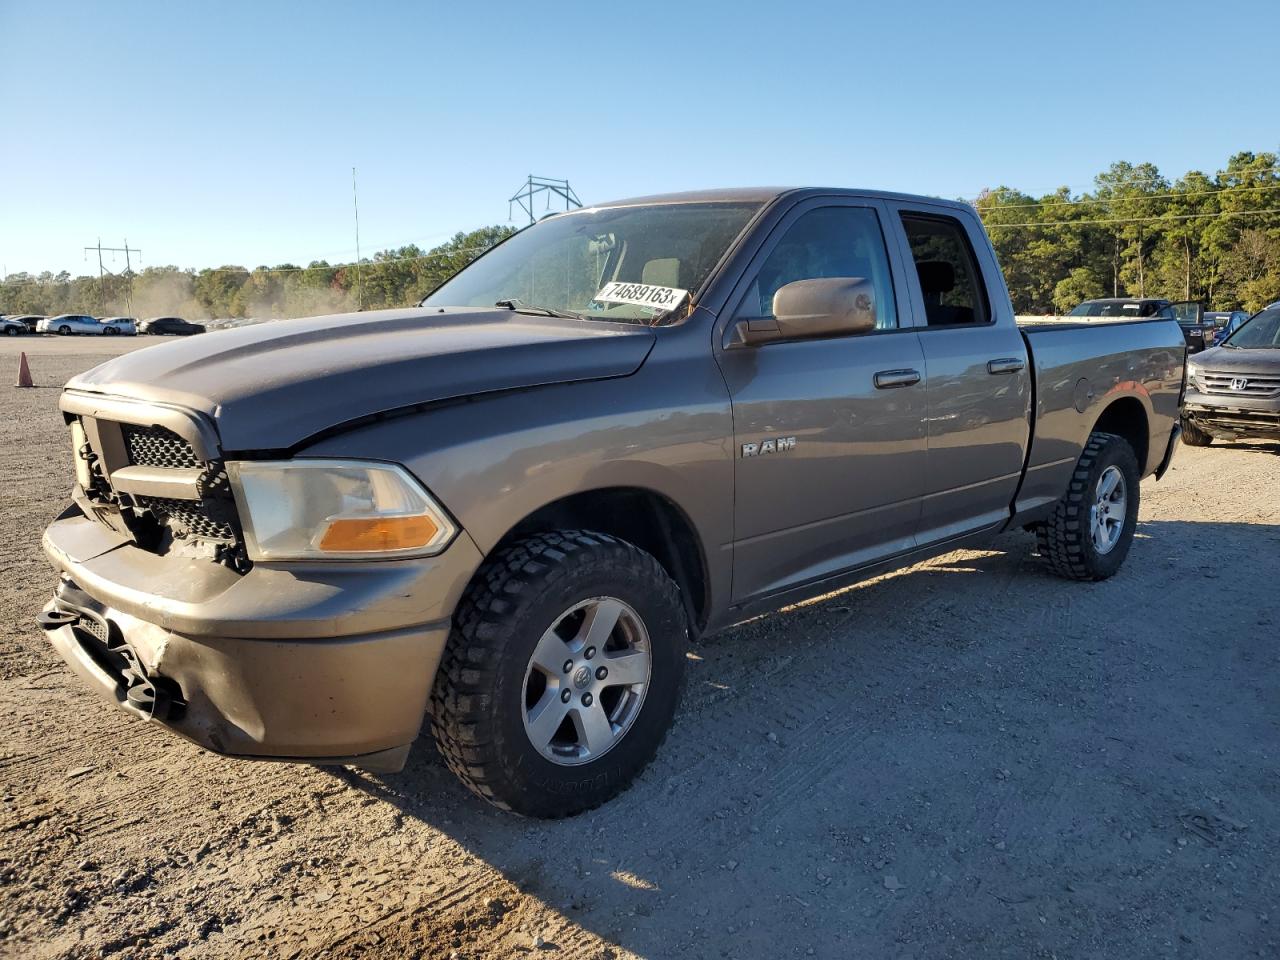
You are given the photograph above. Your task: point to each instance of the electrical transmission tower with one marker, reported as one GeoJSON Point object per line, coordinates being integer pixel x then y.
{"type": "Point", "coordinates": [534, 186]}
{"type": "Point", "coordinates": [128, 269]}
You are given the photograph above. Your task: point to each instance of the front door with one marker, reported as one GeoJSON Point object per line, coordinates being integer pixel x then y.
{"type": "Point", "coordinates": [829, 433]}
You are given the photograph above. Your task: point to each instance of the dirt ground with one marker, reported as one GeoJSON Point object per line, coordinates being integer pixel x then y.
{"type": "Point", "coordinates": [968, 758]}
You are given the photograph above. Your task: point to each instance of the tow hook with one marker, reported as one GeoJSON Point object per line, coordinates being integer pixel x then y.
{"type": "Point", "coordinates": [53, 619]}
{"type": "Point", "coordinates": [155, 698]}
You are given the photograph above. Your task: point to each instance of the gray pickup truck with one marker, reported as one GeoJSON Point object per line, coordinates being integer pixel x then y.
{"type": "Point", "coordinates": [510, 508]}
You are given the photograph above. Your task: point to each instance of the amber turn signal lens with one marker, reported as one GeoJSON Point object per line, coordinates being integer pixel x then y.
{"type": "Point", "coordinates": [378, 534]}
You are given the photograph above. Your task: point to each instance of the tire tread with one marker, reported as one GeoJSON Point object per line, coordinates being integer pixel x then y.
{"type": "Point", "coordinates": [1060, 538]}
{"type": "Point", "coordinates": [461, 712]}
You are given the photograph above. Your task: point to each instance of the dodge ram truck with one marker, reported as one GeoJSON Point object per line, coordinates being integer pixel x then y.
{"type": "Point", "coordinates": [510, 509]}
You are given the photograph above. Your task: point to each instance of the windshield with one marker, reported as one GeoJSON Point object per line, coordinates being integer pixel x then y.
{"type": "Point", "coordinates": [634, 264]}
{"type": "Point", "coordinates": [1260, 333]}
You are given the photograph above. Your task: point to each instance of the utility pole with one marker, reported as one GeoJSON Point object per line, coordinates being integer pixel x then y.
{"type": "Point", "coordinates": [355, 203]}
{"type": "Point", "coordinates": [102, 271]}
{"type": "Point", "coordinates": [548, 185]}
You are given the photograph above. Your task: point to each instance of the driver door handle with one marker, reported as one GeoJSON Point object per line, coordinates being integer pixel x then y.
{"type": "Point", "coordinates": [1005, 365]}
{"type": "Point", "coordinates": [896, 378]}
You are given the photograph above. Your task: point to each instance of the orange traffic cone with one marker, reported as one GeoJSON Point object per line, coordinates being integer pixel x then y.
{"type": "Point", "coordinates": [24, 372]}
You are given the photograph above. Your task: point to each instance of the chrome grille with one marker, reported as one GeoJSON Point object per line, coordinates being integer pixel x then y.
{"type": "Point", "coordinates": [1246, 385]}
{"type": "Point", "coordinates": [157, 447]}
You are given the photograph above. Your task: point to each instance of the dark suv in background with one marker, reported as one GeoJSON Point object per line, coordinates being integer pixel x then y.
{"type": "Point", "coordinates": [1190, 315]}
{"type": "Point", "coordinates": [1233, 390]}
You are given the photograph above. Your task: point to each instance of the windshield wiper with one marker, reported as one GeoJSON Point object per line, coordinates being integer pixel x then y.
{"type": "Point", "coordinates": [517, 305]}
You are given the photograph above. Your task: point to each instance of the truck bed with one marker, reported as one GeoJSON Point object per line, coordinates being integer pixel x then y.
{"type": "Point", "coordinates": [1077, 369]}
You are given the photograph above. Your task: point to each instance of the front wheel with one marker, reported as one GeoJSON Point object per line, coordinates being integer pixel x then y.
{"type": "Point", "coordinates": [1089, 533]}
{"type": "Point", "coordinates": [1193, 436]}
{"type": "Point", "coordinates": [64, 331]}
{"type": "Point", "coordinates": [562, 673]}
{"type": "Point", "coordinates": [10, 331]}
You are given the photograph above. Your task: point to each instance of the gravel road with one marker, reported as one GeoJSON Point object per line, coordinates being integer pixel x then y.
{"type": "Point", "coordinates": [967, 758]}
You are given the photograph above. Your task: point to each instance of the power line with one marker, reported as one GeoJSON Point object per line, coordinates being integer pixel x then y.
{"type": "Point", "coordinates": [1148, 196]}
{"type": "Point", "coordinates": [128, 267]}
{"type": "Point", "coordinates": [1183, 216]}
{"type": "Point", "coordinates": [261, 270]}
{"type": "Point", "coordinates": [355, 203]}
{"type": "Point", "coordinates": [548, 185]}
{"type": "Point", "coordinates": [1159, 178]}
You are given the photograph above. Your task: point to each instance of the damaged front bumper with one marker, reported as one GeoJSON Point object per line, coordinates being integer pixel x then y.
{"type": "Point", "coordinates": [319, 662]}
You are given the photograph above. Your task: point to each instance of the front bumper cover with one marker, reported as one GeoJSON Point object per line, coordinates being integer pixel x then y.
{"type": "Point", "coordinates": [1228, 417]}
{"type": "Point", "coordinates": [320, 663]}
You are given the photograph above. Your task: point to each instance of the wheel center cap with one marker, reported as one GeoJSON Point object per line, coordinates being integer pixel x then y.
{"type": "Point", "coordinates": [582, 677]}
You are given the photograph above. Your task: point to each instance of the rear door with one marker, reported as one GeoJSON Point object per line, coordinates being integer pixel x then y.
{"type": "Point", "coordinates": [829, 437]}
{"type": "Point", "coordinates": [979, 380]}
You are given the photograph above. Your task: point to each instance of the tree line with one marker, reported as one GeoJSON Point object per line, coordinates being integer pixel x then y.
{"type": "Point", "coordinates": [1136, 233]}
{"type": "Point", "coordinates": [391, 278]}
{"type": "Point", "coordinates": [1215, 238]}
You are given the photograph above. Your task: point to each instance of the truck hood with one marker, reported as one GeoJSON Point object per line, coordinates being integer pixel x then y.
{"type": "Point", "coordinates": [270, 386]}
{"type": "Point", "coordinates": [1231, 360]}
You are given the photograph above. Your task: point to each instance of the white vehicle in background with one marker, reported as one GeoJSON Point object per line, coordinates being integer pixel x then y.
{"type": "Point", "coordinates": [69, 323]}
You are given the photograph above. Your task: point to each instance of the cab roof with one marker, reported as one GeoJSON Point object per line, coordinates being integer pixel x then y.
{"type": "Point", "coordinates": [763, 195]}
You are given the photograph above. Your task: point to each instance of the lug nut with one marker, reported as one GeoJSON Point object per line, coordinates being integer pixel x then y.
{"type": "Point", "coordinates": [601, 673]}
{"type": "Point", "coordinates": [566, 695]}
{"type": "Point", "coordinates": [591, 652]}
{"type": "Point", "coordinates": [568, 666]}
{"type": "Point", "coordinates": [587, 699]}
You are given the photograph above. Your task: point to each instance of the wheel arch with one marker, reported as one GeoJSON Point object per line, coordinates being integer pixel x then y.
{"type": "Point", "coordinates": [641, 516]}
{"type": "Point", "coordinates": [1126, 417]}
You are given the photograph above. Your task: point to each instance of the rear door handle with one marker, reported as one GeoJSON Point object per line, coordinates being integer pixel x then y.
{"type": "Point", "coordinates": [896, 378]}
{"type": "Point", "coordinates": [1005, 365]}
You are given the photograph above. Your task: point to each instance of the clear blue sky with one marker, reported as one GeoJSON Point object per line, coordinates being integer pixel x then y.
{"type": "Point", "coordinates": [226, 133]}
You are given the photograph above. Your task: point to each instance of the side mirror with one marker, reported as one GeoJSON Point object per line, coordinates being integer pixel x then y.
{"type": "Point", "coordinates": [821, 307]}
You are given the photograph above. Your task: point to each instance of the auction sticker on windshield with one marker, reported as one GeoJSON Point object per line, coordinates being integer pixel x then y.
{"type": "Point", "coordinates": [642, 295]}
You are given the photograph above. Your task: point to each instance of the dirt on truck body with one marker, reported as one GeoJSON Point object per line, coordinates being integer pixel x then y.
{"type": "Point", "coordinates": [510, 508]}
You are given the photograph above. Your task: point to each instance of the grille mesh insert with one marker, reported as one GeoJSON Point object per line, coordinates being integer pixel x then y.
{"type": "Point", "coordinates": [157, 447]}
{"type": "Point", "coordinates": [193, 516]}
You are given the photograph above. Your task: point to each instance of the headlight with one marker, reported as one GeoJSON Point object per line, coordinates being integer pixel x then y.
{"type": "Point", "coordinates": [335, 510]}
{"type": "Point", "coordinates": [1193, 371]}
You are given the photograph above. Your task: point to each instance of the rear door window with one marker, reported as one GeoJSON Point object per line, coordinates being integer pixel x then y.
{"type": "Point", "coordinates": [945, 264]}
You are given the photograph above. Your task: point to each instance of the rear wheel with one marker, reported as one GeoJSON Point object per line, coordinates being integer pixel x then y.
{"type": "Point", "coordinates": [64, 331]}
{"type": "Point", "coordinates": [562, 673]}
{"type": "Point", "coordinates": [1088, 535]}
{"type": "Point", "coordinates": [10, 331]}
{"type": "Point", "coordinates": [1193, 436]}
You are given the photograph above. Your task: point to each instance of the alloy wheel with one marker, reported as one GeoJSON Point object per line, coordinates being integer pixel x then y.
{"type": "Point", "coordinates": [1108, 512]}
{"type": "Point", "coordinates": [586, 681]}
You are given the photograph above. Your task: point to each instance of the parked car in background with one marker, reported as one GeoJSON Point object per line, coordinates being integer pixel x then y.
{"type": "Point", "coordinates": [1233, 390]}
{"type": "Point", "coordinates": [122, 325]}
{"type": "Point", "coordinates": [174, 326]}
{"type": "Point", "coordinates": [29, 319]}
{"type": "Point", "coordinates": [69, 323]}
{"type": "Point", "coordinates": [12, 327]}
{"type": "Point", "coordinates": [1225, 323]}
{"type": "Point", "coordinates": [1188, 313]}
